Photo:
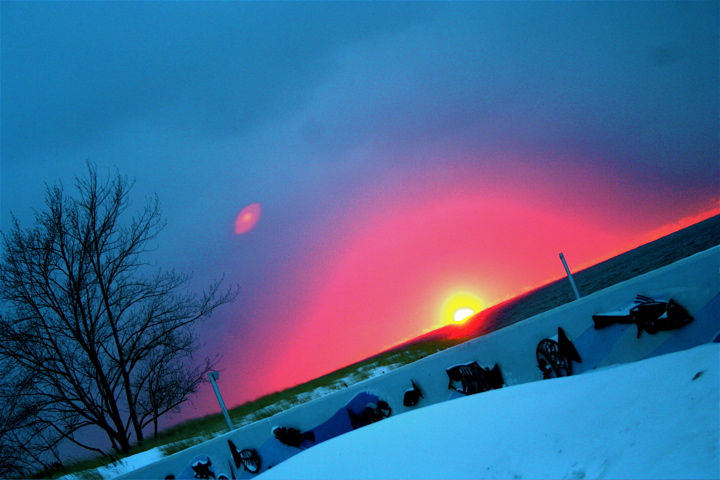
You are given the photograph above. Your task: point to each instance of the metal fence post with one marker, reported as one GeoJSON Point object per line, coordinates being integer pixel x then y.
{"type": "Point", "coordinates": [214, 376]}
{"type": "Point", "coordinates": [572, 282]}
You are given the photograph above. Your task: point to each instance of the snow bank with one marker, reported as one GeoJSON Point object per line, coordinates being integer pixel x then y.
{"type": "Point", "coordinates": [658, 418]}
{"type": "Point", "coordinates": [119, 467]}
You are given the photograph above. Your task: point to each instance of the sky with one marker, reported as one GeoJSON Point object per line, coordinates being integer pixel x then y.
{"type": "Point", "coordinates": [355, 167]}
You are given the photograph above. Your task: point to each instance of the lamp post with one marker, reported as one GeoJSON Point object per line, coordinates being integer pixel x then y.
{"type": "Point", "coordinates": [214, 376]}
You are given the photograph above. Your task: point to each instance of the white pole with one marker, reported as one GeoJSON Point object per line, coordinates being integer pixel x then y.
{"type": "Point", "coordinates": [214, 376]}
{"type": "Point", "coordinates": [572, 282]}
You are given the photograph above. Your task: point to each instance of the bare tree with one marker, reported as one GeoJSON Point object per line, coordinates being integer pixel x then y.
{"type": "Point", "coordinates": [21, 435]}
{"type": "Point", "coordinates": [98, 339]}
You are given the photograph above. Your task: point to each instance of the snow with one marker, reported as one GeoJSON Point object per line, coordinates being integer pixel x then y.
{"type": "Point", "coordinates": [362, 374]}
{"type": "Point", "coordinates": [658, 418]}
{"type": "Point", "coordinates": [125, 465]}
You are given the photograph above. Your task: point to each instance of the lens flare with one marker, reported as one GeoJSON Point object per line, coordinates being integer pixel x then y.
{"type": "Point", "coordinates": [247, 218]}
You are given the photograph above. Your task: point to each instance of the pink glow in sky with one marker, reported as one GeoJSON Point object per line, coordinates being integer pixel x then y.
{"type": "Point", "coordinates": [398, 255]}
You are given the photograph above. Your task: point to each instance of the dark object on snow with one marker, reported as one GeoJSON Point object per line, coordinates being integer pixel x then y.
{"type": "Point", "coordinates": [412, 396]}
{"type": "Point", "coordinates": [555, 358]}
{"type": "Point", "coordinates": [202, 470]}
{"type": "Point", "coordinates": [567, 349]}
{"type": "Point", "coordinates": [648, 314]}
{"type": "Point", "coordinates": [371, 414]}
{"type": "Point", "coordinates": [248, 458]}
{"type": "Point", "coordinates": [673, 317]}
{"type": "Point", "coordinates": [292, 437]}
{"type": "Point", "coordinates": [472, 378]}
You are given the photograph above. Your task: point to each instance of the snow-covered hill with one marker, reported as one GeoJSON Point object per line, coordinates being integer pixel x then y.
{"type": "Point", "coordinates": [658, 418]}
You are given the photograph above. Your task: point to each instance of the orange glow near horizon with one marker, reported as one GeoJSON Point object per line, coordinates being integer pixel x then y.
{"type": "Point", "coordinates": [247, 218]}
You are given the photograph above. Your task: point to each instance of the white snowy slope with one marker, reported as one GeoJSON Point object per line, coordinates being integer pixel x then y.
{"type": "Point", "coordinates": [658, 418]}
{"type": "Point", "coordinates": [120, 467]}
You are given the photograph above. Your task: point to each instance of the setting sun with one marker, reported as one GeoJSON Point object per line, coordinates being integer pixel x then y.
{"type": "Point", "coordinates": [462, 313]}
{"type": "Point", "coordinates": [459, 307]}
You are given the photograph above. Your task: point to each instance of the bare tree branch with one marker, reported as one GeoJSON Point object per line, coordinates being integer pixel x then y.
{"type": "Point", "coordinates": [103, 343]}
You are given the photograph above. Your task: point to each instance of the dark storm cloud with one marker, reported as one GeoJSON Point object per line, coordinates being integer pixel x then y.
{"type": "Point", "coordinates": [77, 69]}
{"type": "Point", "coordinates": [215, 105]}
